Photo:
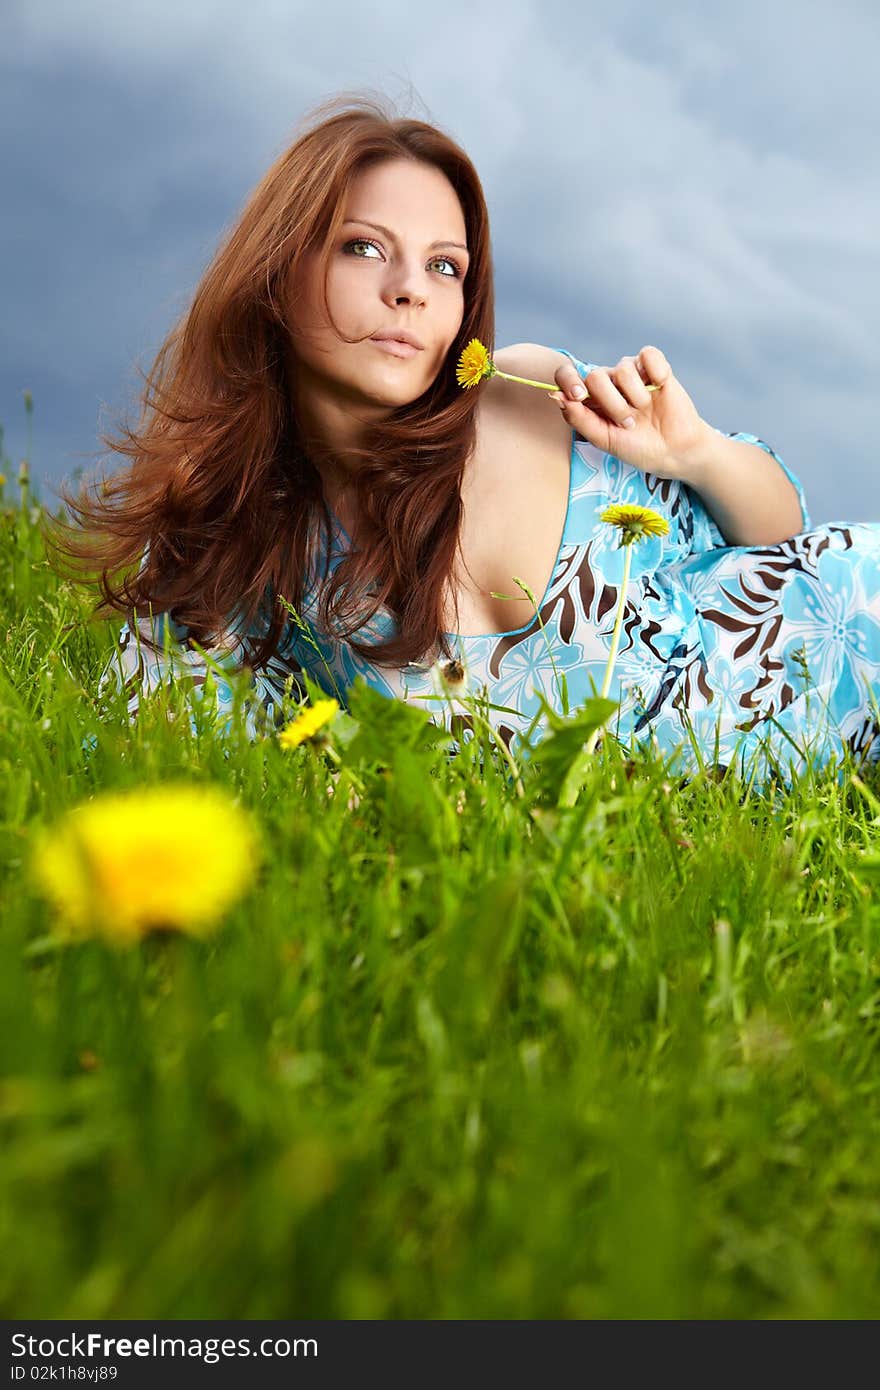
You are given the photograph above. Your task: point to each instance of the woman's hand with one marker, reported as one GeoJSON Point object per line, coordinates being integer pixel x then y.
{"type": "Point", "coordinates": [667, 432]}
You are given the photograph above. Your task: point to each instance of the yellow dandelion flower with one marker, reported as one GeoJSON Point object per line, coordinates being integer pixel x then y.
{"type": "Point", "coordinates": [634, 522]}
{"type": "Point", "coordinates": [156, 858]}
{"type": "Point", "coordinates": [474, 364]}
{"type": "Point", "coordinates": [2, 479]}
{"type": "Point", "coordinates": [307, 723]}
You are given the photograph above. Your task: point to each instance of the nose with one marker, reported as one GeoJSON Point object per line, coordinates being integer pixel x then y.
{"type": "Point", "coordinates": [405, 285]}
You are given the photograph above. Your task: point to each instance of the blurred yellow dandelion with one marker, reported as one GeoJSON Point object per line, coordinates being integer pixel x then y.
{"type": "Point", "coordinates": [158, 858]}
{"type": "Point", "coordinates": [307, 723]}
{"type": "Point", "coordinates": [634, 522]}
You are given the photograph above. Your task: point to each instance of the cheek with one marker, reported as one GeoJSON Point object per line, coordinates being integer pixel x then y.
{"type": "Point", "coordinates": [350, 298]}
{"type": "Point", "coordinates": [456, 316]}
{"type": "Point", "coordinates": [343, 278]}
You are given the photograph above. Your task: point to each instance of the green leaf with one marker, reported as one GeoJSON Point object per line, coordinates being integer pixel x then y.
{"type": "Point", "coordinates": [558, 753]}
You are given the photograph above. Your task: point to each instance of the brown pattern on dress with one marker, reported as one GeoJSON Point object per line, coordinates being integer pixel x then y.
{"type": "Point", "coordinates": [760, 612]}
{"type": "Point", "coordinates": [755, 600]}
{"type": "Point", "coordinates": [693, 676]}
{"type": "Point", "coordinates": [137, 680]}
{"type": "Point", "coordinates": [633, 622]}
{"type": "Point", "coordinates": [667, 488]}
{"type": "Point", "coordinates": [760, 621]}
{"type": "Point", "coordinates": [575, 567]}
{"type": "Point", "coordinates": [573, 578]}
{"type": "Point", "coordinates": [861, 743]}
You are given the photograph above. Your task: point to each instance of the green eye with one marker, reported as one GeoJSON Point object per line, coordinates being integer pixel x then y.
{"type": "Point", "coordinates": [364, 241]}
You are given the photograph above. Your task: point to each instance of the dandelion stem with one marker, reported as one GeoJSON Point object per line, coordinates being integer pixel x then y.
{"type": "Point", "coordinates": [527, 381]}
{"type": "Point", "coordinates": [520, 789]}
{"type": "Point", "coordinates": [615, 643]}
{"type": "Point", "coordinates": [546, 385]}
{"type": "Point", "coordinates": [618, 623]}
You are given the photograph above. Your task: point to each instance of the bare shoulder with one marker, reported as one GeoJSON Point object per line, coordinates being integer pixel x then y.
{"type": "Point", "coordinates": [530, 359]}
{"type": "Point", "coordinates": [515, 494]}
{"type": "Point", "coordinates": [510, 404]}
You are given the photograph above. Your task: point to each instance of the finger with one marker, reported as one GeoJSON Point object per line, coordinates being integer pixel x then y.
{"type": "Point", "coordinates": [654, 365]}
{"type": "Point", "coordinates": [589, 425]}
{"type": "Point", "coordinates": [604, 393]}
{"type": "Point", "coordinates": [591, 421]}
{"type": "Point", "coordinates": [568, 379]}
{"type": "Point", "coordinates": [630, 384]}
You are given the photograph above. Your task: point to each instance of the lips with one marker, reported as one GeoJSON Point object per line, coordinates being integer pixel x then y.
{"type": "Point", "coordinates": [394, 347]}
{"type": "Point", "coordinates": [409, 338]}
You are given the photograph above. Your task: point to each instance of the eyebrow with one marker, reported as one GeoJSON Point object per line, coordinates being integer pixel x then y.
{"type": "Point", "coordinates": [379, 228]}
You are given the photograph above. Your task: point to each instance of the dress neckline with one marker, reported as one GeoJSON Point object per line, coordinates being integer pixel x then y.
{"type": "Point", "coordinates": [512, 632]}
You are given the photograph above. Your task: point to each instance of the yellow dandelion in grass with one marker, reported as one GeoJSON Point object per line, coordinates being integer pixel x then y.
{"type": "Point", "coordinates": [634, 522]}
{"type": "Point", "coordinates": [308, 723]}
{"type": "Point", "coordinates": [158, 858]}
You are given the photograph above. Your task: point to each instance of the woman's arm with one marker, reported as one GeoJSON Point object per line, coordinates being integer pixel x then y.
{"type": "Point", "coordinates": [743, 486]}
{"type": "Point", "coordinates": [744, 489]}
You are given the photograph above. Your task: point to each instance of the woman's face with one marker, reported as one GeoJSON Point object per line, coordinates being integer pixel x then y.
{"type": "Point", "coordinates": [408, 278]}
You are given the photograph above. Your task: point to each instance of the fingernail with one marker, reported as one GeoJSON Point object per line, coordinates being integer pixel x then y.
{"type": "Point", "coordinates": [578, 391]}
{"type": "Point", "coordinates": [629, 423]}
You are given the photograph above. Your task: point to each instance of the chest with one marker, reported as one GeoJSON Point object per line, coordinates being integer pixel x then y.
{"type": "Point", "coordinates": [515, 492]}
{"type": "Point", "coordinates": [515, 496]}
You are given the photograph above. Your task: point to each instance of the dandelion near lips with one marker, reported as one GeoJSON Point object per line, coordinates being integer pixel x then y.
{"type": "Point", "coordinates": [475, 364]}
{"type": "Point", "coordinates": [166, 857]}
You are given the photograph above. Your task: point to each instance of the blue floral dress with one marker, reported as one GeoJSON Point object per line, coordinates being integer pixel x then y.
{"type": "Point", "coordinates": [762, 657]}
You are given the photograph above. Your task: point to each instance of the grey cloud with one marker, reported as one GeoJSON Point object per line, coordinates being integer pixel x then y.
{"type": "Point", "coordinates": [694, 177]}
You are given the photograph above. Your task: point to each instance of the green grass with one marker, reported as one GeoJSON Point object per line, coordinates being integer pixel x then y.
{"type": "Point", "coordinates": [459, 1053]}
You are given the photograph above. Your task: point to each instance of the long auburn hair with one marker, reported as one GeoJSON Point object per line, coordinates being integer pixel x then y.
{"type": "Point", "coordinates": [218, 512]}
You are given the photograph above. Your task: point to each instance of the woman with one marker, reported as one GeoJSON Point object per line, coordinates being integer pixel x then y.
{"type": "Point", "coordinates": [307, 494]}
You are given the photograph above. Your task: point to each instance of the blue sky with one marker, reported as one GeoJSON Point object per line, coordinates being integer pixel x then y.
{"type": "Point", "coordinates": [700, 178]}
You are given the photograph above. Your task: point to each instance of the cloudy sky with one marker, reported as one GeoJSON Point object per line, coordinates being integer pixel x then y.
{"type": "Point", "coordinates": [703, 178]}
